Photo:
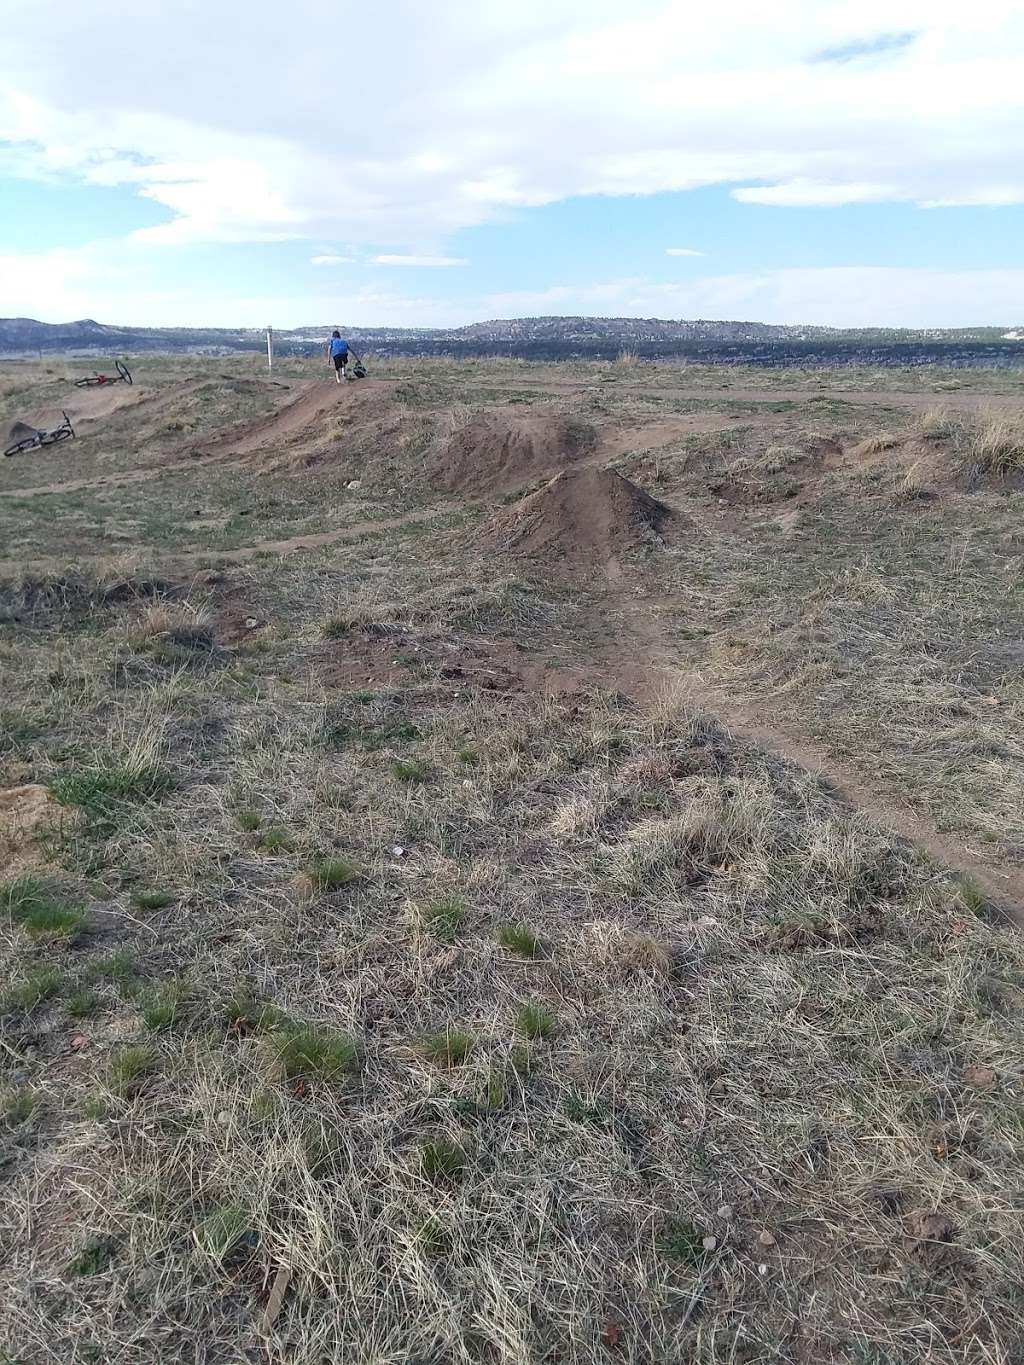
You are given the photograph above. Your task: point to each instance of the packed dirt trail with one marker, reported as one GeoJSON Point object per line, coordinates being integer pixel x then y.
{"type": "Point", "coordinates": [315, 400]}
{"type": "Point", "coordinates": [640, 665]}
{"type": "Point", "coordinates": [824, 392]}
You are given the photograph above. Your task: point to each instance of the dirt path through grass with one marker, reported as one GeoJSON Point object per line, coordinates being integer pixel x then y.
{"type": "Point", "coordinates": [663, 671]}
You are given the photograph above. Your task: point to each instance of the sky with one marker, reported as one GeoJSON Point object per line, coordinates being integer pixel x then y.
{"type": "Point", "coordinates": [845, 162]}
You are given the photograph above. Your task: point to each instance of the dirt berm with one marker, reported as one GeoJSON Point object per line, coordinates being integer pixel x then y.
{"type": "Point", "coordinates": [498, 452]}
{"type": "Point", "coordinates": [582, 514]}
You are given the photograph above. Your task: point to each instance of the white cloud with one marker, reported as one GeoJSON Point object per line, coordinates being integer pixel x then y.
{"type": "Point", "coordinates": [418, 260]}
{"type": "Point", "coordinates": [474, 110]}
{"type": "Point", "coordinates": [332, 260]}
{"type": "Point", "coordinates": [682, 251]}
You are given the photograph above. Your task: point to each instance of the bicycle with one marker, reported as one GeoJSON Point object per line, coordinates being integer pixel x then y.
{"type": "Point", "coordinates": [32, 438]}
{"type": "Point", "coordinates": [123, 376]}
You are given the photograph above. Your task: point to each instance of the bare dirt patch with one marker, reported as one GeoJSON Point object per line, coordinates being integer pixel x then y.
{"type": "Point", "coordinates": [29, 818]}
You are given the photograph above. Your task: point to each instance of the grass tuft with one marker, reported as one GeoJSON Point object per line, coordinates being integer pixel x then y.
{"type": "Point", "coordinates": [153, 900]}
{"type": "Point", "coordinates": [331, 874]}
{"type": "Point", "coordinates": [36, 906]}
{"type": "Point", "coordinates": [442, 1159]}
{"type": "Point", "coordinates": [242, 1013]}
{"type": "Point", "coordinates": [35, 987]}
{"type": "Point", "coordinates": [276, 840]}
{"type": "Point", "coordinates": [93, 1258]}
{"type": "Point", "coordinates": [412, 771]}
{"type": "Point", "coordinates": [83, 1003]}
{"type": "Point", "coordinates": [536, 1021]}
{"type": "Point", "coordinates": [130, 1066]}
{"type": "Point", "coordinates": [222, 1230]}
{"type": "Point", "coordinates": [444, 917]}
{"type": "Point", "coordinates": [159, 1006]}
{"type": "Point", "coordinates": [682, 1241]}
{"type": "Point", "coordinates": [100, 790]}
{"type": "Point", "coordinates": [521, 939]}
{"type": "Point", "coordinates": [17, 1106]}
{"type": "Point", "coordinates": [248, 820]}
{"type": "Point", "coordinates": [996, 444]}
{"type": "Point", "coordinates": [310, 1052]}
{"type": "Point", "coordinates": [448, 1046]}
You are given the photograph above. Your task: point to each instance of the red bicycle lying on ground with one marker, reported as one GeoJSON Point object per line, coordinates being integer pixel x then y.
{"type": "Point", "coordinates": [31, 438]}
{"type": "Point", "coordinates": [123, 376]}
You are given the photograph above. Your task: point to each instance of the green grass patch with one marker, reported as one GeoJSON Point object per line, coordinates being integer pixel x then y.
{"type": "Point", "coordinates": [93, 1258]}
{"type": "Point", "coordinates": [448, 1046]}
{"type": "Point", "coordinates": [17, 734]}
{"type": "Point", "coordinates": [84, 1002]}
{"type": "Point", "coordinates": [276, 840]}
{"type": "Point", "coordinates": [17, 1106]}
{"type": "Point", "coordinates": [521, 939]}
{"type": "Point", "coordinates": [36, 905]}
{"type": "Point", "coordinates": [973, 899]}
{"type": "Point", "coordinates": [35, 987]}
{"type": "Point", "coordinates": [129, 1066]}
{"type": "Point", "coordinates": [310, 1052]}
{"type": "Point", "coordinates": [222, 1230]}
{"type": "Point", "coordinates": [444, 917]}
{"type": "Point", "coordinates": [682, 1241]}
{"type": "Point", "coordinates": [243, 1013]}
{"type": "Point", "coordinates": [119, 967]}
{"type": "Point", "coordinates": [412, 771]}
{"type": "Point", "coordinates": [99, 791]}
{"type": "Point", "coordinates": [536, 1021]}
{"type": "Point", "coordinates": [339, 734]}
{"type": "Point", "coordinates": [331, 874]}
{"type": "Point", "coordinates": [153, 900]}
{"type": "Point", "coordinates": [442, 1159]}
{"type": "Point", "coordinates": [159, 1007]}
{"type": "Point", "coordinates": [248, 820]}
{"type": "Point", "coordinates": [95, 1107]}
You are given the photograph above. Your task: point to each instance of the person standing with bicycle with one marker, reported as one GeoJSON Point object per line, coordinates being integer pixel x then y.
{"type": "Point", "coordinates": [338, 351]}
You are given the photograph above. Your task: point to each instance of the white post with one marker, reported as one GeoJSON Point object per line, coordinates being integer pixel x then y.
{"type": "Point", "coordinates": [270, 348]}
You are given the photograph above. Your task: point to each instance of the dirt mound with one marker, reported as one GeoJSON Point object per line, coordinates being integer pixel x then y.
{"type": "Point", "coordinates": [582, 514]}
{"type": "Point", "coordinates": [498, 452]}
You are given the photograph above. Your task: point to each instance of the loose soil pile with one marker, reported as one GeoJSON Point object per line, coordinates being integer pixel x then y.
{"type": "Point", "coordinates": [498, 453]}
{"type": "Point", "coordinates": [585, 514]}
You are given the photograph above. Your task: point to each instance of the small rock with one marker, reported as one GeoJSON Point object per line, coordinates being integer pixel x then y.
{"type": "Point", "coordinates": [354, 483]}
{"type": "Point", "coordinates": [79, 1042]}
{"type": "Point", "coordinates": [762, 1269]}
{"type": "Point", "coordinates": [979, 1077]}
{"type": "Point", "coordinates": [224, 1118]}
{"type": "Point", "coordinates": [398, 851]}
{"type": "Point", "coordinates": [725, 1211]}
{"type": "Point", "coordinates": [766, 1239]}
{"type": "Point", "coordinates": [710, 1243]}
{"type": "Point", "coordinates": [251, 623]}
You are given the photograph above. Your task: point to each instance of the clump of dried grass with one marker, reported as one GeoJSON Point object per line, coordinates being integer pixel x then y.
{"type": "Point", "coordinates": [995, 443]}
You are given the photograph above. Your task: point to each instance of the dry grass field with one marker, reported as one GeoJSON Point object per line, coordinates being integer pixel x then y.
{"type": "Point", "coordinates": [513, 864]}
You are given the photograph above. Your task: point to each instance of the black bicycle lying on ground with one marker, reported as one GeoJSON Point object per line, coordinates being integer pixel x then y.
{"type": "Point", "coordinates": [31, 438]}
{"type": "Point", "coordinates": [123, 376]}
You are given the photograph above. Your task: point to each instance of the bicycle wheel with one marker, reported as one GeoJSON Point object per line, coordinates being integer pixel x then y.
{"type": "Point", "coordinates": [29, 443]}
{"type": "Point", "coordinates": [60, 434]}
{"type": "Point", "coordinates": [124, 372]}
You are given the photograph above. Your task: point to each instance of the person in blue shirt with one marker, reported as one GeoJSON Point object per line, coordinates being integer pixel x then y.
{"type": "Point", "coordinates": [337, 355]}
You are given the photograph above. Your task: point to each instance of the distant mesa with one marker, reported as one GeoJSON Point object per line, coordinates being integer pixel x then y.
{"type": "Point", "coordinates": [551, 338]}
